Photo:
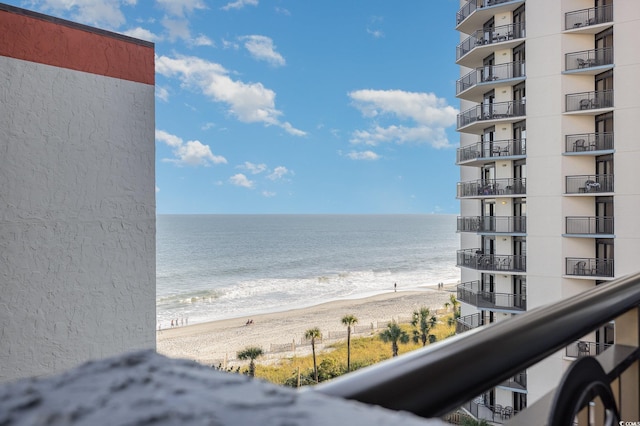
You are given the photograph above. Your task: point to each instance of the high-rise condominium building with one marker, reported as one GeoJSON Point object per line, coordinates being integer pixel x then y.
{"type": "Point", "coordinates": [549, 164]}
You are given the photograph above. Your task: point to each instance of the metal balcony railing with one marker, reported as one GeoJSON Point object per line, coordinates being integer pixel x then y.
{"type": "Point", "coordinates": [589, 100]}
{"type": "Point", "coordinates": [472, 5]}
{"type": "Point", "coordinates": [589, 225]}
{"type": "Point", "coordinates": [589, 267]}
{"type": "Point", "coordinates": [582, 184]}
{"type": "Point", "coordinates": [588, 17]}
{"type": "Point", "coordinates": [589, 58]}
{"type": "Point", "coordinates": [489, 74]}
{"type": "Point", "coordinates": [581, 348]}
{"type": "Point", "coordinates": [493, 224]}
{"type": "Point", "coordinates": [587, 142]}
{"type": "Point", "coordinates": [469, 322]}
{"type": "Point", "coordinates": [494, 35]}
{"type": "Point", "coordinates": [477, 259]}
{"type": "Point", "coordinates": [471, 293]}
{"type": "Point", "coordinates": [492, 111]}
{"type": "Point", "coordinates": [441, 377]}
{"type": "Point", "coordinates": [492, 149]}
{"type": "Point", "coordinates": [492, 187]}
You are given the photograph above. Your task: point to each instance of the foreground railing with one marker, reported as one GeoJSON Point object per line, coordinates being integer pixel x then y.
{"type": "Point", "coordinates": [584, 142]}
{"type": "Point", "coordinates": [441, 377]}
{"type": "Point", "coordinates": [492, 149]}
{"type": "Point", "coordinates": [588, 17]}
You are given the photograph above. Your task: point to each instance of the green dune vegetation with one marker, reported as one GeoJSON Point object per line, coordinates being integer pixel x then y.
{"type": "Point", "coordinates": [356, 352]}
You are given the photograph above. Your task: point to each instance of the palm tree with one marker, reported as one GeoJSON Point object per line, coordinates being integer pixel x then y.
{"type": "Point", "coordinates": [313, 334]}
{"type": "Point", "coordinates": [349, 320]}
{"type": "Point", "coordinates": [423, 322]}
{"type": "Point", "coordinates": [456, 308]}
{"type": "Point", "coordinates": [394, 334]}
{"type": "Point", "coordinates": [252, 352]}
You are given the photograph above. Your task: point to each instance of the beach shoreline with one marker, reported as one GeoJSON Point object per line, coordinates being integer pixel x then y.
{"type": "Point", "coordinates": [217, 342]}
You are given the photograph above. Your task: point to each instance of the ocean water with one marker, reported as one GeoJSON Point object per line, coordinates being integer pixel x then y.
{"type": "Point", "coordinates": [212, 267]}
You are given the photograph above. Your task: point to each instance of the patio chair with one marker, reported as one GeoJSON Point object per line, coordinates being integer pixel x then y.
{"type": "Point", "coordinates": [507, 412]}
{"type": "Point", "coordinates": [579, 145]}
{"type": "Point", "coordinates": [497, 409]}
{"type": "Point", "coordinates": [580, 268]}
{"type": "Point", "coordinates": [583, 349]}
{"type": "Point", "coordinates": [581, 62]}
{"type": "Point", "coordinates": [585, 104]}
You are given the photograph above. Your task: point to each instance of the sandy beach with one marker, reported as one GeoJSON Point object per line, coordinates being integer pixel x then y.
{"type": "Point", "coordinates": [217, 342]}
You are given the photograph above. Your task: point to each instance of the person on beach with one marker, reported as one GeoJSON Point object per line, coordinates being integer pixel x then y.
{"type": "Point", "coordinates": [395, 287]}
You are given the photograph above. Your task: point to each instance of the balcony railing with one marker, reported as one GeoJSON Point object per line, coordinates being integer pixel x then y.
{"type": "Point", "coordinates": [488, 74]}
{"type": "Point", "coordinates": [471, 293]}
{"type": "Point", "coordinates": [581, 348]}
{"type": "Point", "coordinates": [492, 149]}
{"type": "Point", "coordinates": [469, 322]}
{"type": "Point", "coordinates": [587, 142]}
{"type": "Point", "coordinates": [477, 259]}
{"type": "Point", "coordinates": [589, 100]}
{"type": "Point", "coordinates": [492, 187]}
{"type": "Point", "coordinates": [589, 58]}
{"type": "Point", "coordinates": [582, 184]}
{"type": "Point", "coordinates": [589, 267]}
{"type": "Point", "coordinates": [492, 111]}
{"type": "Point", "coordinates": [589, 225]}
{"type": "Point", "coordinates": [495, 35]}
{"type": "Point", "coordinates": [588, 17]}
{"type": "Point", "coordinates": [472, 5]}
{"type": "Point", "coordinates": [441, 377]}
{"type": "Point", "coordinates": [493, 224]}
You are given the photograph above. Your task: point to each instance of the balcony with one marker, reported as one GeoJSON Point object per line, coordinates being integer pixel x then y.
{"type": "Point", "coordinates": [470, 322]}
{"type": "Point", "coordinates": [589, 21]}
{"type": "Point", "coordinates": [589, 103]}
{"type": "Point", "coordinates": [471, 293]}
{"type": "Point", "coordinates": [589, 226]}
{"type": "Point", "coordinates": [589, 143]}
{"type": "Point", "coordinates": [589, 62]}
{"type": "Point", "coordinates": [582, 348]}
{"type": "Point", "coordinates": [479, 153]}
{"type": "Point", "coordinates": [482, 43]}
{"type": "Point", "coordinates": [475, 119]}
{"type": "Point", "coordinates": [589, 184]}
{"type": "Point", "coordinates": [476, 259]}
{"type": "Point", "coordinates": [507, 225]}
{"type": "Point", "coordinates": [441, 377]}
{"type": "Point", "coordinates": [476, 12]}
{"type": "Point", "coordinates": [473, 85]}
{"type": "Point", "coordinates": [485, 188]}
{"type": "Point", "coordinates": [589, 267]}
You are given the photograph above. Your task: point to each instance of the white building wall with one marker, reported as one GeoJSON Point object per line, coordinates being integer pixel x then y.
{"type": "Point", "coordinates": [77, 217]}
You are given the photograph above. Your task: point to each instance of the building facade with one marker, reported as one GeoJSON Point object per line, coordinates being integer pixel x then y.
{"type": "Point", "coordinates": [548, 159]}
{"type": "Point", "coordinates": [77, 194]}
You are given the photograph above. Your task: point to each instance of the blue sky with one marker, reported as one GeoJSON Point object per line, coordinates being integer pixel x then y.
{"type": "Point", "coordinates": [295, 106]}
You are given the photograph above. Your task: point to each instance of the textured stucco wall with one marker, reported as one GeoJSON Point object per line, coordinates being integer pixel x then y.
{"type": "Point", "coordinates": [77, 217]}
{"type": "Point", "coordinates": [144, 388]}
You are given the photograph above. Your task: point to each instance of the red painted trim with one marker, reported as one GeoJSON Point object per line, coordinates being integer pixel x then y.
{"type": "Point", "coordinates": [77, 48]}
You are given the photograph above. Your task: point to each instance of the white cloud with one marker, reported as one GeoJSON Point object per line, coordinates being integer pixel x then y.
{"type": "Point", "coordinates": [162, 93]}
{"type": "Point", "coordinates": [375, 33]}
{"type": "Point", "coordinates": [239, 4]}
{"type": "Point", "coordinates": [191, 153]}
{"type": "Point", "coordinates": [254, 169]}
{"type": "Point", "coordinates": [262, 49]}
{"type": "Point", "coordinates": [283, 11]}
{"type": "Point", "coordinates": [249, 102]}
{"type": "Point", "coordinates": [180, 7]}
{"type": "Point", "coordinates": [377, 135]}
{"type": "Point", "coordinates": [363, 155]}
{"type": "Point", "coordinates": [99, 13]}
{"type": "Point", "coordinates": [142, 34]}
{"type": "Point", "coordinates": [207, 126]}
{"type": "Point", "coordinates": [202, 40]}
{"type": "Point", "coordinates": [431, 115]}
{"type": "Point", "coordinates": [241, 180]}
{"type": "Point", "coordinates": [268, 194]}
{"type": "Point", "coordinates": [279, 173]}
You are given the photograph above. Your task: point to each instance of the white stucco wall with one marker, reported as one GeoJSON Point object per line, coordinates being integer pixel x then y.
{"type": "Point", "coordinates": [77, 217]}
